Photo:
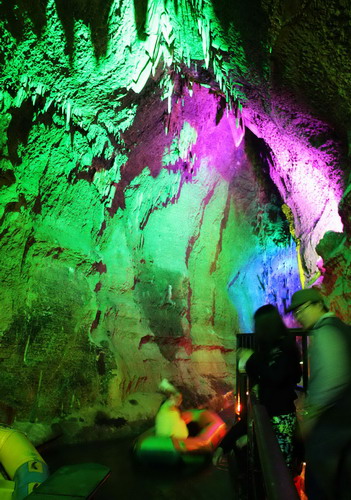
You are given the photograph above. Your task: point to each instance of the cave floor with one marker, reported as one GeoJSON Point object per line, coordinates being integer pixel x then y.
{"type": "Point", "coordinates": [131, 481]}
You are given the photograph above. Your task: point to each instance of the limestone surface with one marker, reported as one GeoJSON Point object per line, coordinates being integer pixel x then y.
{"type": "Point", "coordinates": [167, 167]}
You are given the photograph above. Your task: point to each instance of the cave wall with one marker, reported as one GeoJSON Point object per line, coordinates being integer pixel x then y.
{"type": "Point", "coordinates": [108, 293]}
{"type": "Point", "coordinates": [161, 178]}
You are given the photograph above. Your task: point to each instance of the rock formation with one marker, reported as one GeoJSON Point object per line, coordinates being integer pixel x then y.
{"type": "Point", "coordinates": [167, 167]}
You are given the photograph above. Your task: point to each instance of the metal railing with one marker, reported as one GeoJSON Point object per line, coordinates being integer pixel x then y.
{"type": "Point", "coordinates": [278, 481]}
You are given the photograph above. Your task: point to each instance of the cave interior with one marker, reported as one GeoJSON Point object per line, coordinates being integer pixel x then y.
{"type": "Point", "coordinates": [167, 167]}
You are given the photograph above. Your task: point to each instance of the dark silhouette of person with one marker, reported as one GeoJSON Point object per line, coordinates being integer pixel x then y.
{"type": "Point", "coordinates": [274, 369]}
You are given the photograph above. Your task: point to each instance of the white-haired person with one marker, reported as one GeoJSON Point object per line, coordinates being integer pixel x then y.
{"type": "Point", "coordinates": [169, 421]}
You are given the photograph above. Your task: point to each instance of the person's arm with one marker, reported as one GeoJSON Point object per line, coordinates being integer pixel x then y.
{"type": "Point", "coordinates": [276, 367]}
{"type": "Point", "coordinates": [243, 355]}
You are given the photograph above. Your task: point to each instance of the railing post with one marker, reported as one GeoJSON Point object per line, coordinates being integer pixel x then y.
{"type": "Point", "coordinates": [279, 484]}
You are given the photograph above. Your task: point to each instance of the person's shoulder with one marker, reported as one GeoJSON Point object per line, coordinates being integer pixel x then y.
{"type": "Point", "coordinates": [331, 333]}
{"type": "Point", "coordinates": [330, 322]}
{"type": "Point", "coordinates": [166, 405]}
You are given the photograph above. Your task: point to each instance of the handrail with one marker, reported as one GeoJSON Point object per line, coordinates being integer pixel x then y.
{"type": "Point", "coordinates": [278, 481]}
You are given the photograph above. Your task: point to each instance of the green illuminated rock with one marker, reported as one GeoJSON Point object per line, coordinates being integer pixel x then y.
{"type": "Point", "coordinates": [140, 226]}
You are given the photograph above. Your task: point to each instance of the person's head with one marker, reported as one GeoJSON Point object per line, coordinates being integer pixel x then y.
{"type": "Point", "coordinates": [172, 394]}
{"type": "Point", "coordinates": [176, 398]}
{"type": "Point", "coordinates": [269, 326]}
{"type": "Point", "coordinates": [307, 306]}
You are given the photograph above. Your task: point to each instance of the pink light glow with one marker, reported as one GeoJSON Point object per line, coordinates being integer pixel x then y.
{"type": "Point", "coordinates": [219, 133]}
{"type": "Point", "coordinates": [307, 177]}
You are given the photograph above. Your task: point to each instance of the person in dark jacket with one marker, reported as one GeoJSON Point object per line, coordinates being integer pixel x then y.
{"type": "Point", "coordinates": [274, 367]}
{"type": "Point", "coordinates": [326, 424]}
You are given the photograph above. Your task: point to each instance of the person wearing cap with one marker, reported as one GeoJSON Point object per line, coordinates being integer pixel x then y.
{"type": "Point", "coordinates": [326, 422]}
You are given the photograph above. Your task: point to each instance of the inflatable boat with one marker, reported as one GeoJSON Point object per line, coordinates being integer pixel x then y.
{"type": "Point", "coordinates": [22, 464]}
{"type": "Point", "coordinates": [211, 429]}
